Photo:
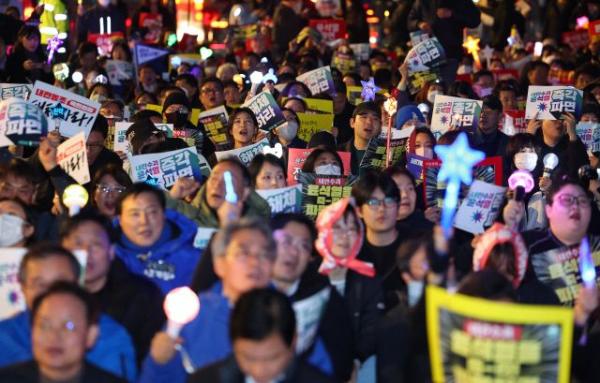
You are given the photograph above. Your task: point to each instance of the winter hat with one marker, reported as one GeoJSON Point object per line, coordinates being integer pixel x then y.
{"type": "Point", "coordinates": [408, 112]}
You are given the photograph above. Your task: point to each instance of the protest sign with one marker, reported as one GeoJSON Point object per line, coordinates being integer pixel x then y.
{"type": "Point", "coordinates": [318, 80]}
{"type": "Point", "coordinates": [560, 269]}
{"type": "Point", "coordinates": [296, 158]}
{"type": "Point", "coordinates": [21, 123]}
{"type": "Point", "coordinates": [14, 90]}
{"type": "Point", "coordinates": [424, 61]}
{"type": "Point", "coordinates": [71, 155]}
{"type": "Point", "coordinates": [71, 112]}
{"type": "Point", "coordinates": [414, 164]}
{"type": "Point", "coordinates": [118, 71]}
{"type": "Point", "coordinates": [311, 123]}
{"type": "Point", "coordinates": [589, 134]}
{"type": "Point", "coordinates": [245, 154]}
{"type": "Point", "coordinates": [376, 153]}
{"type": "Point", "coordinates": [191, 59]}
{"type": "Point", "coordinates": [361, 51]}
{"type": "Point", "coordinates": [576, 39]}
{"type": "Point", "coordinates": [267, 111]}
{"type": "Point", "coordinates": [215, 123]}
{"type": "Point", "coordinates": [513, 122]}
{"type": "Point", "coordinates": [488, 170]}
{"type": "Point", "coordinates": [417, 37]}
{"type": "Point", "coordinates": [308, 317]}
{"type": "Point", "coordinates": [461, 113]}
{"type": "Point", "coordinates": [320, 191]}
{"type": "Point", "coordinates": [343, 63]}
{"type": "Point", "coordinates": [104, 41]}
{"type": "Point", "coordinates": [244, 32]}
{"type": "Point", "coordinates": [330, 29]}
{"type": "Point", "coordinates": [163, 169]}
{"type": "Point", "coordinates": [203, 236]}
{"type": "Point", "coordinates": [121, 144]}
{"type": "Point", "coordinates": [283, 200]}
{"type": "Point", "coordinates": [478, 340]}
{"type": "Point", "coordinates": [168, 129]}
{"type": "Point", "coordinates": [550, 102]}
{"type": "Point", "coordinates": [155, 57]}
{"type": "Point", "coordinates": [12, 300]}
{"type": "Point", "coordinates": [594, 30]}
{"type": "Point", "coordinates": [152, 25]}
{"type": "Point", "coordinates": [480, 207]}
{"type": "Point", "coordinates": [318, 105]}
{"type": "Point", "coordinates": [353, 94]}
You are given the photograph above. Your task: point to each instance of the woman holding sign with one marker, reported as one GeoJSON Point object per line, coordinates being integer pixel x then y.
{"type": "Point", "coordinates": [243, 130]}
{"type": "Point", "coordinates": [27, 63]}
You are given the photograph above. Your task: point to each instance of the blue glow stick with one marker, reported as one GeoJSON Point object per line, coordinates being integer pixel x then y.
{"type": "Point", "coordinates": [586, 264]}
{"type": "Point", "coordinates": [230, 195]}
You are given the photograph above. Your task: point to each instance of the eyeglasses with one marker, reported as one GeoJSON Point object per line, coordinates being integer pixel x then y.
{"type": "Point", "coordinates": [387, 202]}
{"type": "Point", "coordinates": [105, 189]}
{"type": "Point", "coordinates": [243, 254]}
{"type": "Point", "coordinates": [567, 200]}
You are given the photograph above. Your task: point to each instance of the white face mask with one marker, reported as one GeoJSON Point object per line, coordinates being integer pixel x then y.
{"type": "Point", "coordinates": [11, 230]}
{"type": "Point", "coordinates": [288, 130]}
{"type": "Point", "coordinates": [328, 170]}
{"type": "Point", "coordinates": [526, 161]}
{"type": "Point", "coordinates": [431, 95]}
{"type": "Point", "coordinates": [415, 290]}
{"type": "Point", "coordinates": [424, 152]}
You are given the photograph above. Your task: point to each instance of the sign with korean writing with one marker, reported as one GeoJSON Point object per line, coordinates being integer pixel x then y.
{"type": "Point", "coordinates": [376, 153]}
{"type": "Point", "coordinates": [559, 268]}
{"type": "Point", "coordinates": [478, 340]}
{"type": "Point", "coordinates": [283, 200]}
{"type": "Point", "coordinates": [414, 164]}
{"type": "Point", "coordinates": [513, 122]}
{"type": "Point", "coordinates": [417, 37]}
{"type": "Point", "coordinates": [308, 317]}
{"type": "Point", "coordinates": [550, 102]}
{"type": "Point", "coordinates": [191, 59]}
{"type": "Point", "coordinates": [215, 124]}
{"type": "Point", "coordinates": [318, 80]}
{"type": "Point", "coordinates": [330, 29]}
{"type": "Point", "coordinates": [71, 155]}
{"type": "Point", "coordinates": [21, 122]}
{"type": "Point", "coordinates": [488, 170]}
{"type": "Point", "coordinates": [311, 123]}
{"type": "Point", "coordinates": [343, 63]}
{"type": "Point", "coordinates": [121, 144]}
{"type": "Point", "coordinates": [424, 61]}
{"type": "Point", "coordinates": [480, 207]}
{"type": "Point", "coordinates": [245, 154]}
{"type": "Point", "coordinates": [14, 90]}
{"type": "Point", "coordinates": [361, 51]}
{"type": "Point", "coordinates": [203, 236]}
{"type": "Point", "coordinates": [12, 300]}
{"type": "Point", "coordinates": [267, 111]}
{"type": "Point", "coordinates": [589, 134]}
{"type": "Point", "coordinates": [318, 192]}
{"type": "Point", "coordinates": [118, 71]}
{"type": "Point", "coordinates": [72, 113]}
{"type": "Point", "coordinates": [576, 39]}
{"type": "Point", "coordinates": [163, 169]}
{"type": "Point", "coordinates": [297, 157]}
{"type": "Point", "coordinates": [460, 113]}
{"type": "Point", "coordinates": [318, 105]}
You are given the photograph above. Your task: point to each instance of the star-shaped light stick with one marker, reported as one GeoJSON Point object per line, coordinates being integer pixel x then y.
{"type": "Point", "coordinates": [471, 44]}
{"type": "Point", "coordinates": [458, 160]}
{"type": "Point", "coordinates": [390, 106]}
{"type": "Point", "coordinates": [487, 54]}
{"type": "Point", "coordinates": [53, 44]}
{"type": "Point", "coordinates": [368, 90]}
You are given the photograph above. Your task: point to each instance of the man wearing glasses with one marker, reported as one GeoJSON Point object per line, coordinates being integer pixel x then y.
{"type": "Point", "coordinates": [211, 93]}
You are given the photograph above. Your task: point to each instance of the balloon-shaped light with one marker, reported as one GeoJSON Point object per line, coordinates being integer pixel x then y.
{"type": "Point", "coordinates": [181, 306]}
{"type": "Point", "coordinates": [77, 77]}
{"type": "Point", "coordinates": [230, 195]}
{"type": "Point", "coordinates": [256, 77]}
{"type": "Point", "coordinates": [550, 163]}
{"type": "Point", "coordinates": [75, 197]}
{"type": "Point", "coordinates": [521, 182]}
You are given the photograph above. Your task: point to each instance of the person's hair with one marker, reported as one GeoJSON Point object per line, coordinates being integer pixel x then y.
{"type": "Point", "coordinates": [230, 84]}
{"type": "Point", "coordinates": [18, 168]}
{"type": "Point", "coordinates": [501, 256]}
{"type": "Point", "coordinates": [224, 236]}
{"type": "Point", "coordinates": [260, 313]}
{"type": "Point", "coordinates": [28, 31]}
{"type": "Point", "coordinates": [427, 131]}
{"type": "Point", "coordinates": [298, 99]}
{"type": "Point", "coordinates": [559, 182]}
{"type": "Point", "coordinates": [506, 86]}
{"type": "Point", "coordinates": [492, 102]}
{"type": "Point", "coordinates": [100, 125]}
{"type": "Point", "coordinates": [482, 73]}
{"type": "Point", "coordinates": [462, 87]}
{"type": "Point", "coordinates": [72, 289]}
{"type": "Point", "coordinates": [145, 66]}
{"type": "Point", "coordinates": [146, 94]}
{"type": "Point", "coordinates": [45, 250]}
{"type": "Point", "coordinates": [288, 87]}
{"type": "Point", "coordinates": [137, 189]}
{"type": "Point", "coordinates": [294, 114]}
{"type": "Point", "coordinates": [590, 69]}
{"type": "Point", "coordinates": [279, 221]}
{"type": "Point", "coordinates": [258, 162]}
{"type": "Point", "coordinates": [487, 284]}
{"type": "Point", "coordinates": [68, 226]}
{"type": "Point", "coordinates": [591, 108]}
{"type": "Point", "coordinates": [237, 163]}
{"type": "Point", "coordinates": [100, 85]}
{"type": "Point", "coordinates": [409, 247]}
{"type": "Point", "coordinates": [450, 136]}
{"type": "Point", "coordinates": [214, 80]}
{"type": "Point", "coordinates": [113, 101]}
{"type": "Point", "coordinates": [87, 47]}
{"type": "Point", "coordinates": [113, 170]}
{"type": "Point", "coordinates": [121, 43]}
{"type": "Point", "coordinates": [397, 170]}
{"type": "Point", "coordinates": [28, 212]}
{"type": "Point", "coordinates": [145, 115]}
{"type": "Point", "coordinates": [369, 181]}
{"type": "Point", "coordinates": [309, 164]}
{"type": "Point", "coordinates": [239, 111]}
{"type": "Point", "coordinates": [189, 79]}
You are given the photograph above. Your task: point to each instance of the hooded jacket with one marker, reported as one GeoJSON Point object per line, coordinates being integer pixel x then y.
{"type": "Point", "coordinates": [170, 261]}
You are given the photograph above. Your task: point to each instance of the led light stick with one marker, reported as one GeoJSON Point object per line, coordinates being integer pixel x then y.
{"type": "Point", "coordinates": [390, 107]}
{"type": "Point", "coordinates": [471, 44]}
{"type": "Point", "coordinates": [53, 44]}
{"type": "Point", "coordinates": [458, 160]}
{"type": "Point", "coordinates": [586, 265]}
{"type": "Point", "coordinates": [256, 79]}
{"type": "Point", "coordinates": [550, 162]}
{"type": "Point", "coordinates": [181, 306]}
{"type": "Point", "coordinates": [368, 90]}
{"type": "Point", "coordinates": [230, 195]}
{"type": "Point", "coordinates": [520, 182]}
{"type": "Point", "coordinates": [75, 197]}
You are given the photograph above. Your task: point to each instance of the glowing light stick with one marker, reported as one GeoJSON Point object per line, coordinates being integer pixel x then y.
{"type": "Point", "coordinates": [108, 25]}
{"type": "Point", "coordinates": [53, 44]}
{"type": "Point", "coordinates": [256, 79]}
{"type": "Point", "coordinates": [276, 150]}
{"type": "Point", "coordinates": [101, 21]}
{"type": "Point", "coordinates": [181, 306]}
{"type": "Point", "coordinates": [458, 160]}
{"type": "Point", "coordinates": [270, 76]}
{"type": "Point", "coordinates": [75, 197]}
{"type": "Point", "coordinates": [471, 44]}
{"type": "Point", "coordinates": [230, 195]}
{"type": "Point", "coordinates": [550, 162]}
{"type": "Point", "coordinates": [487, 54]}
{"type": "Point", "coordinates": [521, 182]}
{"type": "Point", "coordinates": [390, 106]}
{"type": "Point", "coordinates": [368, 90]}
{"type": "Point", "coordinates": [586, 265]}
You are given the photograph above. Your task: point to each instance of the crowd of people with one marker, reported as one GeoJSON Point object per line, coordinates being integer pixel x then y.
{"type": "Point", "coordinates": [362, 265]}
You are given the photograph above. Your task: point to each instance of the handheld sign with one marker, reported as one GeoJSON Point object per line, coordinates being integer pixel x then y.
{"type": "Point", "coordinates": [181, 306]}
{"type": "Point", "coordinates": [230, 195]}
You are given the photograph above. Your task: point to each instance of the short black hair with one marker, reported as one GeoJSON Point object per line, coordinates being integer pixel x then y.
{"type": "Point", "coordinates": [72, 289]}
{"type": "Point", "coordinates": [18, 168]}
{"type": "Point", "coordinates": [279, 221]}
{"type": "Point", "coordinates": [260, 313]}
{"type": "Point", "coordinates": [558, 182]}
{"type": "Point", "coordinates": [113, 170]}
{"type": "Point", "coordinates": [241, 110]}
{"type": "Point", "coordinates": [44, 250]}
{"type": "Point", "coordinates": [87, 47]}
{"type": "Point", "coordinates": [409, 247]}
{"type": "Point", "coordinates": [72, 223]}
{"type": "Point", "coordinates": [213, 80]}
{"type": "Point", "coordinates": [139, 188]}
{"type": "Point", "coordinates": [487, 284]}
{"type": "Point", "coordinates": [397, 170]}
{"type": "Point", "coordinates": [492, 102]}
{"type": "Point", "coordinates": [482, 73]}
{"type": "Point", "coordinates": [370, 180]}
{"type": "Point", "coordinates": [145, 115]}
{"type": "Point", "coordinates": [258, 162]}
{"type": "Point", "coordinates": [364, 107]}
{"type": "Point", "coordinates": [100, 126]}
{"type": "Point", "coordinates": [188, 78]}
{"type": "Point", "coordinates": [236, 162]}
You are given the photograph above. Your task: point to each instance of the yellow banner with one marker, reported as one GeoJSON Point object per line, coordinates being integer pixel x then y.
{"type": "Point", "coordinates": [311, 123]}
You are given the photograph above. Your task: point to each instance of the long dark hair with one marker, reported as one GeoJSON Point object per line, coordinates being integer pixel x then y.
{"type": "Point", "coordinates": [28, 31]}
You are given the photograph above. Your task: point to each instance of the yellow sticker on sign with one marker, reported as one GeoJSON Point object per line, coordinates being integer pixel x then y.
{"type": "Point", "coordinates": [311, 123]}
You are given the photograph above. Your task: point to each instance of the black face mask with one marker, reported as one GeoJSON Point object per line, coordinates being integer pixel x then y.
{"type": "Point", "coordinates": [177, 119]}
